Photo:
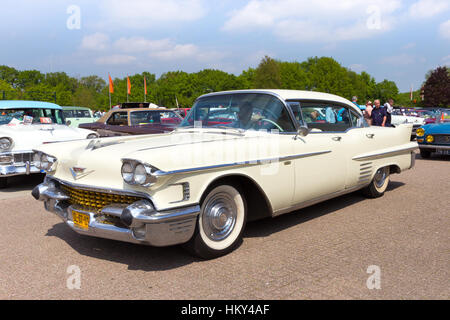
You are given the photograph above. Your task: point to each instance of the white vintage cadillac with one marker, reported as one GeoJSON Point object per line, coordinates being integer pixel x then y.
{"type": "Point", "coordinates": [24, 125]}
{"type": "Point", "coordinates": [267, 153]}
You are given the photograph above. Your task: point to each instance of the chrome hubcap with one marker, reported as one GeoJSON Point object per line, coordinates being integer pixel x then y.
{"type": "Point", "coordinates": [380, 177]}
{"type": "Point", "coordinates": [219, 217]}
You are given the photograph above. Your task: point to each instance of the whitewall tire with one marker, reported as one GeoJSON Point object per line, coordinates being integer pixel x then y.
{"type": "Point", "coordinates": [220, 223]}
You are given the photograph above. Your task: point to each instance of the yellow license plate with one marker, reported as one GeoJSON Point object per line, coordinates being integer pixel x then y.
{"type": "Point", "coordinates": [80, 220]}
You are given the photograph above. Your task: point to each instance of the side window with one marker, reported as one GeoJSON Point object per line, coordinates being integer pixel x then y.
{"type": "Point", "coordinates": [358, 121]}
{"type": "Point", "coordinates": [326, 117]}
{"type": "Point", "coordinates": [118, 119]}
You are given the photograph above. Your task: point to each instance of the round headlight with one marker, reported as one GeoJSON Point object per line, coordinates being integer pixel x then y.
{"type": "Point", "coordinates": [127, 172]}
{"type": "Point", "coordinates": [430, 139]}
{"type": "Point", "coordinates": [420, 132]}
{"type": "Point", "coordinates": [140, 174]}
{"type": "Point", "coordinates": [5, 144]}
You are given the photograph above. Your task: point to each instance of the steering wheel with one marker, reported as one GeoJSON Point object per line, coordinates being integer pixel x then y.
{"type": "Point", "coordinates": [272, 122]}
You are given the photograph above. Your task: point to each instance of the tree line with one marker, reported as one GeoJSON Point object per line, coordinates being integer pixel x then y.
{"type": "Point", "coordinates": [318, 74]}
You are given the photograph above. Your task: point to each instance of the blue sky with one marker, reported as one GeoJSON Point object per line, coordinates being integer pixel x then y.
{"type": "Point", "coordinates": [390, 39]}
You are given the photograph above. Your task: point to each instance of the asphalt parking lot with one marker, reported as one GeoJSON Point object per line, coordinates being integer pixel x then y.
{"type": "Point", "coordinates": [333, 250]}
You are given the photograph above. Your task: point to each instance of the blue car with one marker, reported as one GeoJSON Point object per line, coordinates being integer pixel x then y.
{"type": "Point", "coordinates": [434, 137]}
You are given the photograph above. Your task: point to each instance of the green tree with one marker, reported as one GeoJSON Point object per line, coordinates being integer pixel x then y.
{"type": "Point", "coordinates": [437, 88]}
{"type": "Point", "coordinates": [268, 74]}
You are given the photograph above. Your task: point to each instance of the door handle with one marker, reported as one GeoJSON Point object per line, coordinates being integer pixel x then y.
{"type": "Point", "coordinates": [337, 138]}
{"type": "Point", "coordinates": [370, 135]}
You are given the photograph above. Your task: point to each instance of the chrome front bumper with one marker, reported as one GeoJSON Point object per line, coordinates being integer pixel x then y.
{"type": "Point", "coordinates": [139, 221]}
{"type": "Point", "coordinates": [434, 146]}
{"type": "Point", "coordinates": [20, 164]}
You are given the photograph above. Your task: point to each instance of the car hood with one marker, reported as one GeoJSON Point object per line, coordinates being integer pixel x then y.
{"type": "Point", "coordinates": [102, 158]}
{"type": "Point", "coordinates": [27, 137]}
{"type": "Point", "coordinates": [437, 128]}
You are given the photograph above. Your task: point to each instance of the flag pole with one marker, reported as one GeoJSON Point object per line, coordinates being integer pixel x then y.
{"type": "Point", "coordinates": [145, 90]}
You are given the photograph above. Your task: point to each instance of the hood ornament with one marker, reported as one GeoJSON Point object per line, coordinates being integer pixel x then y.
{"type": "Point", "coordinates": [79, 172]}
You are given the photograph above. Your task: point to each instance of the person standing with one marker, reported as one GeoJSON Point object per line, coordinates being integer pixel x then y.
{"type": "Point", "coordinates": [368, 112]}
{"type": "Point", "coordinates": [378, 114]}
{"type": "Point", "coordinates": [389, 109]}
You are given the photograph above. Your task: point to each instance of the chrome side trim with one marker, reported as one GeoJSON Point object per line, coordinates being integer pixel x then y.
{"type": "Point", "coordinates": [319, 199]}
{"type": "Point", "coordinates": [385, 154]}
{"type": "Point", "coordinates": [161, 173]}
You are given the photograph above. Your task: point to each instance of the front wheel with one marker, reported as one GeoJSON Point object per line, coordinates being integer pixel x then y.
{"type": "Point", "coordinates": [220, 224]}
{"type": "Point", "coordinates": [379, 184]}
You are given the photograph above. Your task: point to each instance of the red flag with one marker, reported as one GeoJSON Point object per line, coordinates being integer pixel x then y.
{"type": "Point", "coordinates": [128, 85]}
{"type": "Point", "coordinates": [111, 85]}
{"type": "Point", "coordinates": [145, 86]}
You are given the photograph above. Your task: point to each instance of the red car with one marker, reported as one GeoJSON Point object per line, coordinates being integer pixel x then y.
{"type": "Point", "coordinates": [119, 122]}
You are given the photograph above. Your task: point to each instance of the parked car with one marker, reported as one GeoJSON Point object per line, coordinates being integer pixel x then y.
{"type": "Point", "coordinates": [434, 137]}
{"type": "Point", "coordinates": [24, 125]}
{"type": "Point", "coordinates": [119, 122]}
{"type": "Point", "coordinates": [199, 184]}
{"type": "Point", "coordinates": [75, 116]}
{"type": "Point", "coordinates": [182, 112]}
{"type": "Point", "coordinates": [399, 117]}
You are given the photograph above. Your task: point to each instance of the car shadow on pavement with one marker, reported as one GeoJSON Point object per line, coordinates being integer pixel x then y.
{"type": "Point", "coordinates": [137, 257]}
{"type": "Point", "coordinates": [434, 157]}
{"type": "Point", "coordinates": [147, 258]}
{"type": "Point", "coordinates": [23, 182]}
{"type": "Point", "coordinates": [266, 227]}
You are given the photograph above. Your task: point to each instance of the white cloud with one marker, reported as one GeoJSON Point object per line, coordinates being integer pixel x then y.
{"type": "Point", "coordinates": [444, 29]}
{"type": "Point", "coordinates": [97, 41]}
{"type": "Point", "coordinates": [140, 14]}
{"type": "Point", "coordinates": [428, 8]}
{"type": "Point", "coordinates": [358, 67]}
{"type": "Point", "coordinates": [397, 60]}
{"type": "Point", "coordinates": [141, 44]}
{"type": "Point", "coordinates": [115, 59]}
{"type": "Point", "coordinates": [314, 21]}
{"type": "Point", "coordinates": [446, 60]}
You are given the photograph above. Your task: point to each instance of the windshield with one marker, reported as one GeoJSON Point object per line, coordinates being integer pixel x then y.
{"type": "Point", "coordinates": [31, 116]}
{"type": "Point", "coordinates": [154, 117]}
{"type": "Point", "coordinates": [247, 111]}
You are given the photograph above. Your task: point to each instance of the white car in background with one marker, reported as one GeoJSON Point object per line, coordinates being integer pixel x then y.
{"type": "Point", "coordinates": [24, 125]}
{"type": "Point", "coordinates": [400, 117]}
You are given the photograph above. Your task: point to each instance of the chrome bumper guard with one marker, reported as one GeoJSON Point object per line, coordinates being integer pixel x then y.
{"type": "Point", "coordinates": [433, 146]}
{"type": "Point", "coordinates": [140, 222]}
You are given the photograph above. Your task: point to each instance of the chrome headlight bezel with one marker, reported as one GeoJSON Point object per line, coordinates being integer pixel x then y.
{"type": "Point", "coordinates": [135, 172]}
{"type": "Point", "coordinates": [7, 145]}
{"type": "Point", "coordinates": [44, 161]}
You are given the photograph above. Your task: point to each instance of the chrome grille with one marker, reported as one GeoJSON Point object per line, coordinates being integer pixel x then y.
{"type": "Point", "coordinates": [442, 139]}
{"type": "Point", "coordinates": [94, 201]}
{"type": "Point", "coordinates": [23, 157]}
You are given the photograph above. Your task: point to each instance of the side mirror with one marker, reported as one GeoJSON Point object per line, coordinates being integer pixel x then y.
{"type": "Point", "coordinates": [302, 132]}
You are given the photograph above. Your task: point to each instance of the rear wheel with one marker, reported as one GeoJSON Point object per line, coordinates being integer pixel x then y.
{"type": "Point", "coordinates": [425, 154]}
{"type": "Point", "coordinates": [220, 224]}
{"type": "Point", "coordinates": [3, 182]}
{"type": "Point", "coordinates": [379, 183]}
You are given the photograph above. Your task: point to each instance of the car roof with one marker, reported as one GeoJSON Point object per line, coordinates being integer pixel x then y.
{"type": "Point", "coordinates": [24, 104]}
{"type": "Point", "coordinates": [75, 107]}
{"type": "Point", "coordinates": [293, 95]}
{"type": "Point", "coordinates": [107, 114]}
